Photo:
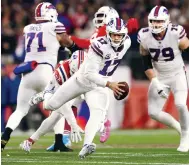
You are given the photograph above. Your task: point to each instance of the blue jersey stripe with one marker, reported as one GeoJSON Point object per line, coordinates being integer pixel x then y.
{"type": "Point", "coordinates": [64, 77]}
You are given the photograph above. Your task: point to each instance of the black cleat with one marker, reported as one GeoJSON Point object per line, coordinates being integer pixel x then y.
{"type": "Point", "coordinates": [62, 148]}
{"type": "Point", "coordinates": [5, 137]}
{"type": "Point", "coordinates": [3, 144]}
{"type": "Point", "coordinates": [59, 145]}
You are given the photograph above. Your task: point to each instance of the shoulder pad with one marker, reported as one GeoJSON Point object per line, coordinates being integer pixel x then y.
{"type": "Point", "coordinates": [97, 45]}
{"type": "Point", "coordinates": [142, 34]}
{"type": "Point", "coordinates": [178, 31]}
{"type": "Point", "coordinates": [59, 28]}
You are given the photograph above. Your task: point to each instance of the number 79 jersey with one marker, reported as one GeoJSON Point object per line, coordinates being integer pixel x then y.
{"type": "Point", "coordinates": [41, 43]}
{"type": "Point", "coordinates": [166, 55]}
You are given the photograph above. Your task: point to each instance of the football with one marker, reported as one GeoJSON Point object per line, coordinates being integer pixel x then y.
{"type": "Point", "coordinates": [125, 88]}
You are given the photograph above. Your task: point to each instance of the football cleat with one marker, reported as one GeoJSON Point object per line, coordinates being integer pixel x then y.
{"type": "Point", "coordinates": [26, 145]}
{"type": "Point", "coordinates": [50, 148]}
{"type": "Point", "coordinates": [184, 142]}
{"type": "Point", "coordinates": [106, 132]}
{"type": "Point", "coordinates": [3, 144]}
{"type": "Point", "coordinates": [87, 150]}
{"type": "Point", "coordinates": [59, 147]}
{"type": "Point", "coordinates": [65, 139]}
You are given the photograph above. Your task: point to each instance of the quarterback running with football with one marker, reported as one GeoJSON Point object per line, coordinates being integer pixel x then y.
{"type": "Point", "coordinates": [93, 79]}
{"type": "Point", "coordinates": [161, 46]}
{"type": "Point", "coordinates": [100, 20]}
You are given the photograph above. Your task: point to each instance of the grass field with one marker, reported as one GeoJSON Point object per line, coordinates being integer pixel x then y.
{"type": "Point", "coordinates": [155, 147]}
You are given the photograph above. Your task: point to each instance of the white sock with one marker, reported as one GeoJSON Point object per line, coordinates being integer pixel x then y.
{"type": "Point", "coordinates": [184, 117]}
{"type": "Point", "coordinates": [15, 119]}
{"type": "Point", "coordinates": [46, 125]}
{"type": "Point", "coordinates": [59, 127]}
{"type": "Point", "coordinates": [93, 125]}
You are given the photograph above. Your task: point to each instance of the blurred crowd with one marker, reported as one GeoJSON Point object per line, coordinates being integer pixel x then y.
{"type": "Point", "coordinates": [77, 16]}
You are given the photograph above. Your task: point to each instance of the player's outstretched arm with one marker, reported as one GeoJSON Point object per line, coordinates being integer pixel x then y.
{"type": "Point", "coordinates": [65, 41]}
{"type": "Point", "coordinates": [82, 43]}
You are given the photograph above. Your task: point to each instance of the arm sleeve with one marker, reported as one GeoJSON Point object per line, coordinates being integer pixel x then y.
{"type": "Point", "coordinates": [82, 43]}
{"type": "Point", "coordinates": [101, 31]}
{"type": "Point", "coordinates": [181, 33]}
{"type": "Point", "coordinates": [92, 69]}
{"type": "Point", "coordinates": [141, 39]}
{"type": "Point", "coordinates": [59, 28]}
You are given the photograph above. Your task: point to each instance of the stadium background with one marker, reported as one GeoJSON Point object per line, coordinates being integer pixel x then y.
{"type": "Point", "coordinates": [77, 17]}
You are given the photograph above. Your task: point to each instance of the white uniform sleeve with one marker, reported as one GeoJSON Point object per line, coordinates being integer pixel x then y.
{"type": "Point", "coordinates": [141, 37]}
{"type": "Point", "coordinates": [59, 28]}
{"type": "Point", "coordinates": [93, 64]}
{"type": "Point", "coordinates": [181, 32]}
{"type": "Point", "coordinates": [25, 30]}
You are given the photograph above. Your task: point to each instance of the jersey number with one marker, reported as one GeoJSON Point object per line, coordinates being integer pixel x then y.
{"type": "Point", "coordinates": [108, 64]}
{"type": "Point", "coordinates": [31, 36]}
{"type": "Point", "coordinates": [166, 52]}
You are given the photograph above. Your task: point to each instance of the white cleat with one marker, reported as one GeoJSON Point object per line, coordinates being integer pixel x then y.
{"type": "Point", "coordinates": [87, 150]}
{"type": "Point", "coordinates": [37, 98]}
{"type": "Point", "coordinates": [26, 145]}
{"type": "Point", "coordinates": [184, 142]}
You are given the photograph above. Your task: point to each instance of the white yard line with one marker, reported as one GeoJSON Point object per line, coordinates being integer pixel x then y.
{"type": "Point", "coordinates": [111, 153]}
{"type": "Point", "coordinates": [87, 162]}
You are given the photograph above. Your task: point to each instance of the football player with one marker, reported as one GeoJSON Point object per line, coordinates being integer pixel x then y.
{"type": "Point", "coordinates": [161, 46]}
{"type": "Point", "coordinates": [63, 72]}
{"type": "Point", "coordinates": [42, 41]}
{"type": "Point", "coordinates": [93, 79]}
{"type": "Point", "coordinates": [101, 18]}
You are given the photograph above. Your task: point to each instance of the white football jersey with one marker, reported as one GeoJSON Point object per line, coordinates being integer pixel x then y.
{"type": "Point", "coordinates": [166, 55]}
{"type": "Point", "coordinates": [108, 61]}
{"type": "Point", "coordinates": [41, 43]}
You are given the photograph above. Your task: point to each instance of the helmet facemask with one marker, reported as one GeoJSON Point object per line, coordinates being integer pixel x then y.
{"type": "Point", "coordinates": [102, 16]}
{"type": "Point", "coordinates": [116, 39]}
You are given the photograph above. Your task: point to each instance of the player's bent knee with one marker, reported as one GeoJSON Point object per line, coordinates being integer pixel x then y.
{"type": "Point", "coordinates": [153, 115]}
{"type": "Point", "coordinates": [48, 105]}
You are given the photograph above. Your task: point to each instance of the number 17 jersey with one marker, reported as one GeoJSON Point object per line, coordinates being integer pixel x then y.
{"type": "Point", "coordinates": [41, 43]}
{"type": "Point", "coordinates": [166, 55]}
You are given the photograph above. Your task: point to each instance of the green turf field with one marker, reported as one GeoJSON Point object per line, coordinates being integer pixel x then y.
{"type": "Point", "coordinates": [155, 147]}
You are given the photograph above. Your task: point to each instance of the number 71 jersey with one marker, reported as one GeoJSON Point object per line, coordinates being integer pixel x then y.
{"type": "Point", "coordinates": [41, 43]}
{"type": "Point", "coordinates": [166, 55]}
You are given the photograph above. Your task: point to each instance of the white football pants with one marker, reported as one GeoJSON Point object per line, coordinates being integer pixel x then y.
{"type": "Point", "coordinates": [178, 86]}
{"type": "Point", "coordinates": [96, 98]}
{"type": "Point", "coordinates": [30, 84]}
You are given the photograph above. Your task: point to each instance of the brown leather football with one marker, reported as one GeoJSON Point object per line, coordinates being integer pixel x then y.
{"type": "Point", "coordinates": [125, 88]}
